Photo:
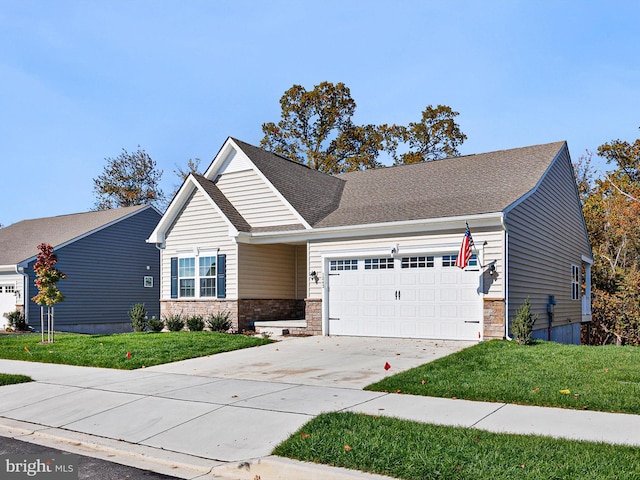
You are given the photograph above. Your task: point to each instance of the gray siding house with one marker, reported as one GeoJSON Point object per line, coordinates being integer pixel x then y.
{"type": "Point", "coordinates": [109, 267]}
{"type": "Point", "coordinates": [373, 252]}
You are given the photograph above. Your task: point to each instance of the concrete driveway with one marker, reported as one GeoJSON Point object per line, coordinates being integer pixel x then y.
{"type": "Point", "coordinates": [346, 362]}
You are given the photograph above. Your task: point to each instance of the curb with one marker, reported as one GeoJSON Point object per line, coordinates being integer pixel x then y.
{"type": "Point", "coordinates": [280, 468]}
{"type": "Point", "coordinates": [174, 463]}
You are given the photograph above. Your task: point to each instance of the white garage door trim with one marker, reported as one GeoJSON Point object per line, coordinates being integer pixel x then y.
{"type": "Point", "coordinates": [377, 300]}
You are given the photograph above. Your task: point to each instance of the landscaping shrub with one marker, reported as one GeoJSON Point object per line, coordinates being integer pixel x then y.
{"type": "Point", "coordinates": [195, 323]}
{"type": "Point", "coordinates": [17, 321]}
{"type": "Point", "coordinates": [219, 322]}
{"type": "Point", "coordinates": [174, 322]}
{"type": "Point", "coordinates": [138, 317]}
{"type": "Point", "coordinates": [155, 324]}
{"type": "Point", "coordinates": [522, 325]}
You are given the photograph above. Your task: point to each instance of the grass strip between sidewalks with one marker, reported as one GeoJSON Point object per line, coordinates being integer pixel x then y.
{"type": "Point", "coordinates": [603, 378]}
{"type": "Point", "coordinates": [416, 451]}
{"type": "Point", "coordinates": [125, 351]}
{"type": "Point", "coordinates": [10, 379]}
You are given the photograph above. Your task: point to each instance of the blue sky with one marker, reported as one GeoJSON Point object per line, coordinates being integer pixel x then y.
{"type": "Point", "coordinates": [80, 80]}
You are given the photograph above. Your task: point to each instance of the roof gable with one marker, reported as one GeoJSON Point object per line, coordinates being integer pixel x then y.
{"type": "Point", "coordinates": [19, 241]}
{"type": "Point", "coordinates": [311, 193]}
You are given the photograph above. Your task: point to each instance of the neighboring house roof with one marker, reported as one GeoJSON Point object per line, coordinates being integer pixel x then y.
{"type": "Point", "coordinates": [19, 241]}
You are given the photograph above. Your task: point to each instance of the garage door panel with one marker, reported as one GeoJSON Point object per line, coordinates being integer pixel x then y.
{"type": "Point", "coordinates": [423, 301]}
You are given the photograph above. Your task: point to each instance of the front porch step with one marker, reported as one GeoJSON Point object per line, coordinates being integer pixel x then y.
{"type": "Point", "coordinates": [277, 328]}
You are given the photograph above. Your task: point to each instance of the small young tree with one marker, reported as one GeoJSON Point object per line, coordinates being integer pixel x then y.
{"type": "Point", "coordinates": [522, 325]}
{"type": "Point", "coordinates": [47, 277]}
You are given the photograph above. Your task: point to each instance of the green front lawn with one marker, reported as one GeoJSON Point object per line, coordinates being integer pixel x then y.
{"type": "Point", "coordinates": [547, 374]}
{"type": "Point", "coordinates": [416, 451]}
{"type": "Point", "coordinates": [110, 351]}
{"type": "Point", "coordinates": [10, 379]}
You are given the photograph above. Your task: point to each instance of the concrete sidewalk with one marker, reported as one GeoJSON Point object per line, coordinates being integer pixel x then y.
{"type": "Point", "coordinates": [198, 425]}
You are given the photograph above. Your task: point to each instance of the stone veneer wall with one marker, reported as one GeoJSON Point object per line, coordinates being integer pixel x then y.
{"type": "Point", "coordinates": [493, 318]}
{"type": "Point", "coordinates": [242, 312]}
{"type": "Point", "coordinates": [252, 310]}
{"type": "Point", "coordinates": [200, 307]}
{"type": "Point", "coordinates": [313, 316]}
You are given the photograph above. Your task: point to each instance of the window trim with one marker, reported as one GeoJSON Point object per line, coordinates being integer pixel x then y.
{"type": "Point", "coordinates": [576, 285]}
{"type": "Point", "coordinates": [197, 287]}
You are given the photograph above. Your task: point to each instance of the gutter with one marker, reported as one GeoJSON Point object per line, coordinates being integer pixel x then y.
{"type": "Point", "coordinates": [25, 291]}
{"type": "Point", "coordinates": [505, 261]}
{"type": "Point", "coordinates": [386, 228]}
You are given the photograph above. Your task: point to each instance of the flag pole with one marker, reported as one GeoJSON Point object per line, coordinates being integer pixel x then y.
{"type": "Point", "coordinates": [474, 246]}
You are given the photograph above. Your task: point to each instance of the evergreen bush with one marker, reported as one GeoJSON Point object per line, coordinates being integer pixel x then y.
{"type": "Point", "coordinates": [138, 317]}
{"type": "Point", "coordinates": [174, 322]}
{"type": "Point", "coordinates": [219, 322]}
{"type": "Point", "coordinates": [195, 323]}
{"type": "Point", "coordinates": [155, 324]}
{"type": "Point", "coordinates": [17, 321]}
{"type": "Point", "coordinates": [522, 325]}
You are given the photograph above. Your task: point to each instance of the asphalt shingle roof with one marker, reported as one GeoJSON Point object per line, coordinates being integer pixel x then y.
{"type": "Point", "coordinates": [312, 193]}
{"type": "Point", "coordinates": [457, 186]}
{"type": "Point", "coordinates": [19, 241]}
{"type": "Point", "coordinates": [223, 203]}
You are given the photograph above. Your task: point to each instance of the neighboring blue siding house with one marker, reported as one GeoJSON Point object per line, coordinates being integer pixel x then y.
{"type": "Point", "coordinates": [108, 263]}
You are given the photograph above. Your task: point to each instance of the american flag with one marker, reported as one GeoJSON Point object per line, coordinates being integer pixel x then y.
{"type": "Point", "coordinates": [465, 249]}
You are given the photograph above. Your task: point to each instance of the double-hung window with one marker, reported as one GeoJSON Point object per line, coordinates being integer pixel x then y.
{"type": "Point", "coordinates": [187, 276]}
{"type": "Point", "coordinates": [204, 276]}
{"type": "Point", "coordinates": [207, 275]}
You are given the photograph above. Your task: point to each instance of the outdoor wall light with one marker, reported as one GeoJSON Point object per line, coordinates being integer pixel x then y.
{"type": "Point", "coordinates": [492, 269]}
{"type": "Point", "coordinates": [314, 276]}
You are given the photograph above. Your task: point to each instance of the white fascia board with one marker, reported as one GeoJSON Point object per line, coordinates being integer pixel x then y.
{"type": "Point", "coordinates": [174, 208]}
{"type": "Point", "coordinates": [388, 228]}
{"type": "Point", "coordinates": [537, 185]}
{"type": "Point", "coordinates": [9, 268]}
{"type": "Point", "coordinates": [219, 160]}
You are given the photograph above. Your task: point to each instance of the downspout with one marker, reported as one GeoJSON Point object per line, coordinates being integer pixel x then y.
{"type": "Point", "coordinates": [505, 267]}
{"type": "Point", "coordinates": [25, 291]}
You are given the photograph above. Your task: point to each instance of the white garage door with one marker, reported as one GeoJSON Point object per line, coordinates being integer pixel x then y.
{"type": "Point", "coordinates": [415, 296]}
{"type": "Point", "coordinates": [7, 301]}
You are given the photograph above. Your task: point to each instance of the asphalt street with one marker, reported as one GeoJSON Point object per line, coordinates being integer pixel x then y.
{"type": "Point", "coordinates": [88, 468]}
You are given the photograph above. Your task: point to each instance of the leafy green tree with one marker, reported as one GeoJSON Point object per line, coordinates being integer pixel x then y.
{"type": "Point", "coordinates": [436, 135]}
{"type": "Point", "coordinates": [317, 129]}
{"type": "Point", "coordinates": [127, 180]}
